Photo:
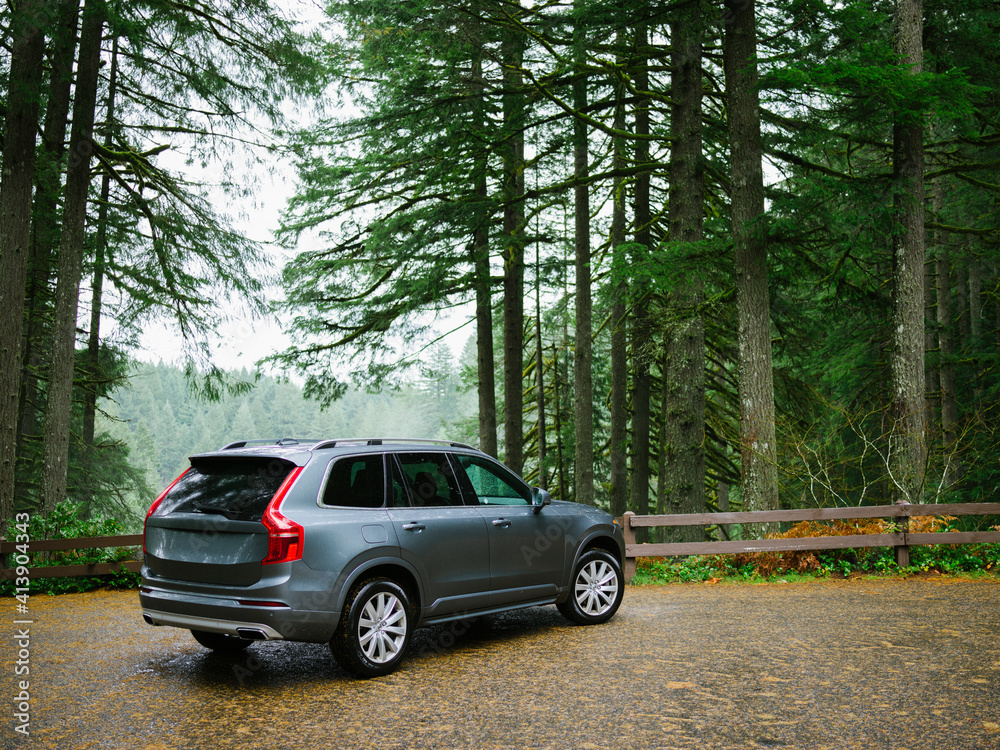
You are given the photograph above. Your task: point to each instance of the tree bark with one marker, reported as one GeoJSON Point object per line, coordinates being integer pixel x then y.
{"type": "Point", "coordinates": [513, 228]}
{"type": "Point", "coordinates": [758, 451]}
{"type": "Point", "coordinates": [45, 226]}
{"type": "Point", "coordinates": [540, 374]}
{"type": "Point", "coordinates": [619, 341]}
{"type": "Point", "coordinates": [946, 340]}
{"type": "Point", "coordinates": [907, 444]}
{"type": "Point", "coordinates": [486, 378]}
{"type": "Point", "coordinates": [563, 491]}
{"type": "Point", "coordinates": [682, 454]}
{"type": "Point", "coordinates": [93, 360]}
{"type": "Point", "coordinates": [583, 378]}
{"type": "Point", "coordinates": [16, 183]}
{"type": "Point", "coordinates": [975, 301]}
{"type": "Point", "coordinates": [641, 326]}
{"type": "Point", "coordinates": [60, 391]}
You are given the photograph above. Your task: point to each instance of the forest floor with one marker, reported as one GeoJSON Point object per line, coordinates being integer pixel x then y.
{"type": "Point", "coordinates": [859, 663]}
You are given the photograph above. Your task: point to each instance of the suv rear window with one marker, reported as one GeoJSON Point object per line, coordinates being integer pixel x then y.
{"type": "Point", "coordinates": [238, 489]}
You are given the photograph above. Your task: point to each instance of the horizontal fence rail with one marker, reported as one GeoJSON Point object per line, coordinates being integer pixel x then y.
{"type": "Point", "coordinates": [901, 539]}
{"type": "Point", "coordinates": [62, 545]}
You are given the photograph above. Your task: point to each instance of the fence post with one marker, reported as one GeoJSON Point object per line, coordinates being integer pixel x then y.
{"type": "Point", "coordinates": [629, 540]}
{"type": "Point", "coordinates": [903, 551]}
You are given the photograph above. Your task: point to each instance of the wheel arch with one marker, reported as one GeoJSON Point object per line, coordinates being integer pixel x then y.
{"type": "Point", "coordinates": [600, 538]}
{"type": "Point", "coordinates": [597, 538]}
{"type": "Point", "coordinates": [391, 569]}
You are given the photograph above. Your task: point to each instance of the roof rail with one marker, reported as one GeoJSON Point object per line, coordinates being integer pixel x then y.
{"type": "Point", "coordinates": [386, 440]}
{"type": "Point", "coordinates": [266, 441]}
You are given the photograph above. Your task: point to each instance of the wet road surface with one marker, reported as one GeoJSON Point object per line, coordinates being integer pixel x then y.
{"type": "Point", "coordinates": [895, 664]}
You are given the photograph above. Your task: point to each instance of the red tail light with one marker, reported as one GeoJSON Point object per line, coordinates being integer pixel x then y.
{"type": "Point", "coordinates": [284, 536]}
{"type": "Point", "coordinates": [156, 504]}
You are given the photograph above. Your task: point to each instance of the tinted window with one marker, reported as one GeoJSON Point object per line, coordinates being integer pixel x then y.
{"type": "Point", "coordinates": [399, 494]}
{"type": "Point", "coordinates": [356, 482]}
{"type": "Point", "coordinates": [429, 479]}
{"type": "Point", "coordinates": [493, 484]}
{"type": "Point", "coordinates": [237, 488]}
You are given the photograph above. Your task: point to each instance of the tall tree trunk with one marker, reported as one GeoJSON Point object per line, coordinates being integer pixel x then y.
{"type": "Point", "coordinates": [976, 319]}
{"type": "Point", "coordinates": [540, 372]}
{"type": "Point", "coordinates": [16, 182]}
{"type": "Point", "coordinates": [963, 331]}
{"type": "Point", "coordinates": [946, 341]}
{"type": "Point", "coordinates": [682, 453]}
{"type": "Point", "coordinates": [486, 378]}
{"type": "Point", "coordinates": [642, 328]}
{"type": "Point", "coordinates": [975, 301]}
{"type": "Point", "coordinates": [93, 360]}
{"type": "Point", "coordinates": [931, 369]}
{"type": "Point", "coordinates": [758, 452]}
{"type": "Point", "coordinates": [514, 230]}
{"type": "Point", "coordinates": [45, 228]}
{"type": "Point", "coordinates": [557, 418]}
{"type": "Point", "coordinates": [583, 379]}
{"type": "Point", "coordinates": [97, 284]}
{"type": "Point", "coordinates": [59, 403]}
{"type": "Point", "coordinates": [906, 358]}
{"type": "Point", "coordinates": [619, 339]}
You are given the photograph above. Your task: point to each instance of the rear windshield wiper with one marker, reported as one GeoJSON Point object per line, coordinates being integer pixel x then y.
{"type": "Point", "coordinates": [229, 513]}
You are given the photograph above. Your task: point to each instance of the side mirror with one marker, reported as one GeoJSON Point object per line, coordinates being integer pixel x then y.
{"type": "Point", "coordinates": [539, 499]}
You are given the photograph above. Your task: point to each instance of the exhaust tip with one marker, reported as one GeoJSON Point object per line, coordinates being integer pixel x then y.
{"type": "Point", "coordinates": [148, 619]}
{"type": "Point", "coordinates": [251, 634]}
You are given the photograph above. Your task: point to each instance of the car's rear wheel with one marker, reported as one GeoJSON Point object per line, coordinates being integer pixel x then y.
{"type": "Point", "coordinates": [221, 641]}
{"type": "Point", "coordinates": [596, 590]}
{"type": "Point", "coordinates": [374, 629]}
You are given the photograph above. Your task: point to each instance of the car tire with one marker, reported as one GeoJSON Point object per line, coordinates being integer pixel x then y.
{"type": "Point", "coordinates": [221, 641]}
{"type": "Point", "coordinates": [596, 590]}
{"type": "Point", "coordinates": [374, 628]}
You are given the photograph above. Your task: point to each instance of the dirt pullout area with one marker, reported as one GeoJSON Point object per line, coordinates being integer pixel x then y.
{"type": "Point", "coordinates": [891, 664]}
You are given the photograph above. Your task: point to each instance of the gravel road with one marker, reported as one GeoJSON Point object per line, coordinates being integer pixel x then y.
{"type": "Point", "coordinates": [895, 664]}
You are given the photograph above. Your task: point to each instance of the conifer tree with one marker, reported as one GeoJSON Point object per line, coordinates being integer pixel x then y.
{"type": "Point", "coordinates": [59, 396]}
{"type": "Point", "coordinates": [757, 432]}
{"type": "Point", "coordinates": [20, 122]}
{"type": "Point", "coordinates": [908, 449]}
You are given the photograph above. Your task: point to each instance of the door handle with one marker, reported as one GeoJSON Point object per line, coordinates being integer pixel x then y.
{"type": "Point", "coordinates": [413, 527]}
{"type": "Point", "coordinates": [502, 523]}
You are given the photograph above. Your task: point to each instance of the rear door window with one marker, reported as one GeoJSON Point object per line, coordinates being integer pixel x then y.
{"type": "Point", "coordinates": [429, 479]}
{"type": "Point", "coordinates": [356, 482]}
{"type": "Point", "coordinates": [236, 488]}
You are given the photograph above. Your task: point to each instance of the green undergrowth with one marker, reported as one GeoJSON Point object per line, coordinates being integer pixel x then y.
{"type": "Point", "coordinates": [946, 559]}
{"type": "Point", "coordinates": [65, 523]}
{"type": "Point", "coordinates": [968, 561]}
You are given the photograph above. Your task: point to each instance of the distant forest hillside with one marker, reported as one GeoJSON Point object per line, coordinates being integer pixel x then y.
{"type": "Point", "coordinates": [162, 422]}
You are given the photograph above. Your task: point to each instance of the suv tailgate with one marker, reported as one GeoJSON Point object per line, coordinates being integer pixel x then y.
{"type": "Point", "coordinates": [207, 528]}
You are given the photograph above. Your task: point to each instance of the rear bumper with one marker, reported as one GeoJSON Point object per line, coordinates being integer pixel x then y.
{"type": "Point", "coordinates": [215, 613]}
{"type": "Point", "coordinates": [253, 630]}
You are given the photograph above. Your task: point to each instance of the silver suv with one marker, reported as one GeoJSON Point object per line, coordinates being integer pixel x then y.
{"type": "Point", "coordinates": [357, 542]}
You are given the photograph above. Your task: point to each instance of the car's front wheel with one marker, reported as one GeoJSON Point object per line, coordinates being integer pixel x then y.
{"type": "Point", "coordinates": [221, 641]}
{"type": "Point", "coordinates": [374, 629]}
{"type": "Point", "coordinates": [597, 589]}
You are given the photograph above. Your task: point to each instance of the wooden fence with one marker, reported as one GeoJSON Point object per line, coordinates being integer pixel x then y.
{"type": "Point", "coordinates": [901, 539]}
{"type": "Point", "coordinates": [65, 571]}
